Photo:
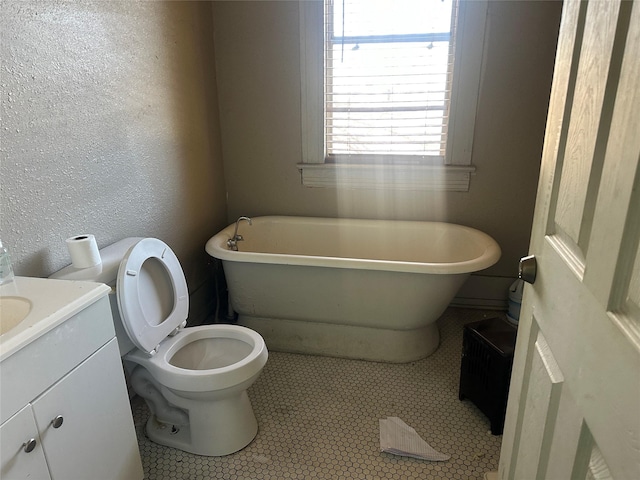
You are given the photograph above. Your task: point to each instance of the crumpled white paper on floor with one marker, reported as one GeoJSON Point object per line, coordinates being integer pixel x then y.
{"type": "Point", "coordinates": [398, 438]}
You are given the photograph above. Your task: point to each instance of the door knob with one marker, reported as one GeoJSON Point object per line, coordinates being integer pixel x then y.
{"type": "Point", "coordinates": [527, 269]}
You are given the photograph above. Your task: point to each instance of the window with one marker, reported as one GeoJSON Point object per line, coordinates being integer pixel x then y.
{"type": "Point", "coordinates": [389, 92]}
{"type": "Point", "coordinates": [387, 79]}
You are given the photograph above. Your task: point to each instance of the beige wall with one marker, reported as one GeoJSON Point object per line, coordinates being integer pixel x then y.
{"type": "Point", "coordinates": [109, 127]}
{"type": "Point", "coordinates": [258, 70]}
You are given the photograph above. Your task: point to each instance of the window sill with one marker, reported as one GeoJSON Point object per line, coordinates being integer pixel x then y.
{"type": "Point", "coordinates": [399, 177]}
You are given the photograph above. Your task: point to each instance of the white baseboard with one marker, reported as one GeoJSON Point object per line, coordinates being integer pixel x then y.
{"type": "Point", "coordinates": [481, 291]}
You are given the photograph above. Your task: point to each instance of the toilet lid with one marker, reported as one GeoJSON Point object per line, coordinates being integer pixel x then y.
{"type": "Point", "coordinates": [152, 293]}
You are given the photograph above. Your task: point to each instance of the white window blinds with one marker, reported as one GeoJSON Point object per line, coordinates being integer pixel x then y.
{"type": "Point", "coordinates": [388, 79]}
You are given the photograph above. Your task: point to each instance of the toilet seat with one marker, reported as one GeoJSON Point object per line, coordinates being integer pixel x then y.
{"type": "Point", "coordinates": [209, 379]}
{"type": "Point", "coordinates": [152, 293]}
{"type": "Point", "coordinates": [153, 302]}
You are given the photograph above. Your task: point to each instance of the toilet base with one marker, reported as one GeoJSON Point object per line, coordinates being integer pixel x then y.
{"type": "Point", "coordinates": [216, 428]}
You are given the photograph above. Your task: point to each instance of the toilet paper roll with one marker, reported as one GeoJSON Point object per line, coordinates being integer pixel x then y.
{"type": "Point", "coordinates": [84, 251]}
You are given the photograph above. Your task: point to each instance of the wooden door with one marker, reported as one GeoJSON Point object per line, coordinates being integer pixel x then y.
{"type": "Point", "coordinates": [574, 404]}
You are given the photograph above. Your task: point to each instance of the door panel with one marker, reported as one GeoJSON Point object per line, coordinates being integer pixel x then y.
{"type": "Point", "coordinates": [561, 466]}
{"type": "Point", "coordinates": [574, 404]}
{"type": "Point", "coordinates": [582, 137]}
{"type": "Point", "coordinates": [96, 439]}
{"type": "Point", "coordinates": [542, 401]}
{"type": "Point", "coordinates": [15, 462]}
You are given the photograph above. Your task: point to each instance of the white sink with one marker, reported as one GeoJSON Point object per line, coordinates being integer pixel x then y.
{"type": "Point", "coordinates": [12, 311]}
{"type": "Point", "coordinates": [31, 307]}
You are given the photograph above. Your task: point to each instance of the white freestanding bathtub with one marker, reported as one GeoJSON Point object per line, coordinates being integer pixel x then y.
{"type": "Point", "coordinates": [367, 289]}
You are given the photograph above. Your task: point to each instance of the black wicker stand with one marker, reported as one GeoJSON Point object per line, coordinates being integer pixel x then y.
{"type": "Point", "coordinates": [487, 358]}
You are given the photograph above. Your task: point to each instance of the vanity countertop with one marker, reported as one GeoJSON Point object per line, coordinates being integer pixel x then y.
{"type": "Point", "coordinates": [52, 302]}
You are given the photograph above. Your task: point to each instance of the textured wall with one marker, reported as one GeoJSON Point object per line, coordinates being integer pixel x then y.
{"type": "Point", "coordinates": [109, 126]}
{"type": "Point", "coordinates": [257, 55]}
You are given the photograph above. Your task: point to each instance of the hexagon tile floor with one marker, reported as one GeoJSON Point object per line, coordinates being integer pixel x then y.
{"type": "Point", "coordinates": [318, 418]}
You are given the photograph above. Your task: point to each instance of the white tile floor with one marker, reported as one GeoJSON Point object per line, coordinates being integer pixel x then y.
{"type": "Point", "coordinates": [318, 418]}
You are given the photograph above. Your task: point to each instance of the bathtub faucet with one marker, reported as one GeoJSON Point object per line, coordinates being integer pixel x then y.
{"type": "Point", "coordinates": [232, 243]}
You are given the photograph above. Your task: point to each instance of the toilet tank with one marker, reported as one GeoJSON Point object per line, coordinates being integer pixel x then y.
{"type": "Point", "coordinates": [106, 272]}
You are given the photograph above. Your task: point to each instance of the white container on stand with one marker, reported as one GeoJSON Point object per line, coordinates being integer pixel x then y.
{"type": "Point", "coordinates": [515, 302]}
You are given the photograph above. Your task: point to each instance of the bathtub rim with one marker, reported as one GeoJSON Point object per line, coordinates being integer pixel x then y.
{"type": "Point", "coordinates": [216, 247]}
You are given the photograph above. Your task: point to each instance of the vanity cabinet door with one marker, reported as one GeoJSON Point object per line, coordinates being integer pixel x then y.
{"type": "Point", "coordinates": [93, 436]}
{"type": "Point", "coordinates": [20, 459]}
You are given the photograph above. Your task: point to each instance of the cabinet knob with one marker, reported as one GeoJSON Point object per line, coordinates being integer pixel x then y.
{"type": "Point", "coordinates": [57, 422]}
{"type": "Point", "coordinates": [29, 445]}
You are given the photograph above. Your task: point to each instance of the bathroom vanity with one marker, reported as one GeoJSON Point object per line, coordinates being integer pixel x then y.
{"type": "Point", "coordinates": [64, 408]}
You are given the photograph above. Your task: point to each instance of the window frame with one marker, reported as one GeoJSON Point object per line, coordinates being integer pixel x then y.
{"type": "Point", "coordinates": [453, 173]}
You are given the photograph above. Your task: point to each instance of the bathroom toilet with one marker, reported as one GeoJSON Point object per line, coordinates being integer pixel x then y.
{"type": "Point", "coordinates": [194, 379]}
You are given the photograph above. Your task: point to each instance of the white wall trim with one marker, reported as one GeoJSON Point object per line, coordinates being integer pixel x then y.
{"type": "Point", "coordinates": [484, 291]}
{"type": "Point", "coordinates": [469, 58]}
{"type": "Point", "coordinates": [405, 177]}
{"type": "Point", "coordinates": [312, 80]}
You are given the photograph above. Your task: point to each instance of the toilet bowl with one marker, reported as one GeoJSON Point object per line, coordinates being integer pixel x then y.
{"type": "Point", "coordinates": [205, 372]}
{"type": "Point", "coordinates": [194, 379]}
